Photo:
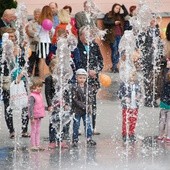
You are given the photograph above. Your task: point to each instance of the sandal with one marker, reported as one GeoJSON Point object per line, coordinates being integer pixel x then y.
{"type": "Point", "coordinates": [26, 135]}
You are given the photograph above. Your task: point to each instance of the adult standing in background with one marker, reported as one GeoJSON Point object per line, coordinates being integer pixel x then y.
{"type": "Point", "coordinates": [152, 50]}
{"type": "Point", "coordinates": [54, 8]}
{"type": "Point", "coordinates": [7, 18]}
{"type": "Point", "coordinates": [33, 35]}
{"type": "Point", "coordinates": [93, 65]}
{"type": "Point", "coordinates": [84, 18]}
{"type": "Point", "coordinates": [132, 12]}
{"type": "Point", "coordinates": [69, 9]}
{"type": "Point", "coordinates": [114, 22]}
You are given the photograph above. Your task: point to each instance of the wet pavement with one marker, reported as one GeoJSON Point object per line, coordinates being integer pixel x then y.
{"type": "Point", "coordinates": [109, 153]}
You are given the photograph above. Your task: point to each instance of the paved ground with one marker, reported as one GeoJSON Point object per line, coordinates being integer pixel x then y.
{"type": "Point", "coordinates": [110, 153]}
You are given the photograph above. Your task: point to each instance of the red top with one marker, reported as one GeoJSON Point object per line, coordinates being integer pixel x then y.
{"type": "Point", "coordinates": [63, 26]}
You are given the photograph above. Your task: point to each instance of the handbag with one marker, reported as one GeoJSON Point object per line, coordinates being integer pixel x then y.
{"type": "Point", "coordinates": [18, 95]}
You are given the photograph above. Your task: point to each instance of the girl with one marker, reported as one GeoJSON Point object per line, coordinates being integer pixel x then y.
{"type": "Point", "coordinates": [36, 112]}
{"type": "Point", "coordinates": [80, 108]}
{"type": "Point", "coordinates": [45, 39]}
{"type": "Point", "coordinates": [50, 83]}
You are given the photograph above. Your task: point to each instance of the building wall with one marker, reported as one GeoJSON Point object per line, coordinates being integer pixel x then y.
{"type": "Point", "coordinates": [104, 6]}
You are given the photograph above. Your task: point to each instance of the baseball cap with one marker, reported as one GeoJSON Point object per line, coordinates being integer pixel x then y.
{"type": "Point", "coordinates": [81, 71]}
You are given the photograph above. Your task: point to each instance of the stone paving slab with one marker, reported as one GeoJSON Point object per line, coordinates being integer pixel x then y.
{"type": "Point", "coordinates": [110, 153]}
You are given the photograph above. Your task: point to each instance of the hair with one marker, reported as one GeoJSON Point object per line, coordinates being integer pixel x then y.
{"type": "Point", "coordinates": [132, 8]}
{"type": "Point", "coordinates": [54, 3]}
{"type": "Point", "coordinates": [168, 76]}
{"type": "Point", "coordinates": [83, 29]}
{"type": "Point", "coordinates": [113, 7]}
{"type": "Point", "coordinates": [116, 16]}
{"type": "Point", "coordinates": [53, 63]}
{"type": "Point", "coordinates": [37, 10]}
{"type": "Point", "coordinates": [68, 7]}
{"type": "Point", "coordinates": [168, 32]}
{"type": "Point", "coordinates": [46, 13]}
{"type": "Point", "coordinates": [6, 30]}
{"type": "Point", "coordinates": [63, 16]}
{"type": "Point", "coordinates": [8, 12]}
{"type": "Point", "coordinates": [35, 82]}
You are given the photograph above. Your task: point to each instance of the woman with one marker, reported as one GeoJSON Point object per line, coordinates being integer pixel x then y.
{"type": "Point", "coordinates": [114, 22]}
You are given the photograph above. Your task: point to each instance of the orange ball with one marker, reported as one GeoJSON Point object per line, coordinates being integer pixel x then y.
{"type": "Point", "coordinates": [29, 52]}
{"type": "Point", "coordinates": [105, 80]}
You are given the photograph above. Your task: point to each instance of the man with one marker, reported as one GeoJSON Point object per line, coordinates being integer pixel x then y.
{"type": "Point", "coordinates": [33, 35]}
{"type": "Point", "coordinates": [85, 17]}
{"type": "Point", "coordinates": [152, 50]}
{"type": "Point", "coordinates": [91, 60]}
{"type": "Point", "coordinates": [7, 18]}
{"type": "Point", "coordinates": [54, 8]}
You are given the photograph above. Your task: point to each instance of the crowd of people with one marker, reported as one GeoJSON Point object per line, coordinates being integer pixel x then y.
{"type": "Point", "coordinates": [72, 98]}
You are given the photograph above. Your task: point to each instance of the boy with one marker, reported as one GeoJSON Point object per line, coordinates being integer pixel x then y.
{"type": "Point", "coordinates": [81, 106]}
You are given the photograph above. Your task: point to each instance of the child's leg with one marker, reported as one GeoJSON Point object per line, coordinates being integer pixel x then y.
{"type": "Point", "coordinates": [52, 133]}
{"type": "Point", "coordinates": [162, 122]}
{"type": "Point", "coordinates": [33, 133]}
{"type": "Point", "coordinates": [168, 123]}
{"type": "Point", "coordinates": [66, 131]}
{"type": "Point", "coordinates": [87, 126]}
{"type": "Point", "coordinates": [132, 121]}
{"type": "Point", "coordinates": [37, 135]}
{"type": "Point", "coordinates": [8, 111]}
{"type": "Point", "coordinates": [124, 121]}
{"type": "Point", "coordinates": [76, 125]}
{"type": "Point", "coordinates": [25, 120]}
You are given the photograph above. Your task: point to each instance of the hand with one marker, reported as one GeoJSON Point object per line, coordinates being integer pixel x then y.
{"type": "Point", "coordinates": [32, 120]}
{"type": "Point", "coordinates": [50, 108]}
{"type": "Point", "coordinates": [92, 73]}
{"type": "Point", "coordinates": [90, 109]}
{"type": "Point", "coordinates": [117, 22]}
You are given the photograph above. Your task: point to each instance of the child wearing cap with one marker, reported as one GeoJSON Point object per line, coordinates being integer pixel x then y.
{"type": "Point", "coordinates": [81, 106]}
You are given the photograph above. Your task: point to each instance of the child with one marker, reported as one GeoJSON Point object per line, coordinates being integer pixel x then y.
{"type": "Point", "coordinates": [36, 111]}
{"type": "Point", "coordinates": [129, 93]}
{"type": "Point", "coordinates": [80, 108]}
{"type": "Point", "coordinates": [164, 118]}
{"type": "Point", "coordinates": [50, 83]}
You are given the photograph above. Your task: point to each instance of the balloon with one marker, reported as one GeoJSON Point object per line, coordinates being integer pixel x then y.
{"type": "Point", "coordinates": [105, 80]}
{"type": "Point", "coordinates": [47, 24]}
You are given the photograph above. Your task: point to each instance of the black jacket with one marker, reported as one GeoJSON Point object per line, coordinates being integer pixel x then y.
{"type": "Point", "coordinates": [79, 99]}
{"type": "Point", "coordinates": [95, 61]}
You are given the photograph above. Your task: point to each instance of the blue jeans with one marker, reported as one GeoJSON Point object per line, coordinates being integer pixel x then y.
{"type": "Point", "coordinates": [115, 53]}
{"type": "Point", "coordinates": [76, 125]}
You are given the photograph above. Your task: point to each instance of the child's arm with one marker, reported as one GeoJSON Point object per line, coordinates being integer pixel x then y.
{"type": "Point", "coordinates": [31, 102]}
{"type": "Point", "coordinates": [122, 91]}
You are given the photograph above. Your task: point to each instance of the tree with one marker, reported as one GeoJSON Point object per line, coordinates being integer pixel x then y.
{"type": "Point", "coordinates": [7, 4]}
